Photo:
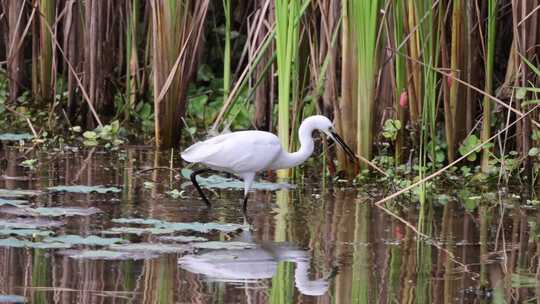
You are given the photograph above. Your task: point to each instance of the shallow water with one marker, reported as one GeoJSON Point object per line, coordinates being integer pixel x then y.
{"type": "Point", "coordinates": [315, 243]}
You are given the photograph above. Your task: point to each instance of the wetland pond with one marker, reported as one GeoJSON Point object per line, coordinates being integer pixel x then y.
{"type": "Point", "coordinates": [95, 226]}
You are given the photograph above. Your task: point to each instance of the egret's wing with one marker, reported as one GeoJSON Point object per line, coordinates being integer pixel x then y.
{"type": "Point", "coordinates": [200, 151]}
{"type": "Point", "coordinates": [245, 151]}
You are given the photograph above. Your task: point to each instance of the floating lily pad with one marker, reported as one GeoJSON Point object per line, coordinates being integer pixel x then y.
{"type": "Point", "coordinates": [16, 136]}
{"type": "Point", "coordinates": [84, 189]}
{"type": "Point", "coordinates": [220, 182]}
{"type": "Point", "coordinates": [137, 221]}
{"type": "Point", "coordinates": [13, 242]}
{"type": "Point", "coordinates": [182, 239]}
{"type": "Point", "coordinates": [175, 226]}
{"type": "Point", "coordinates": [12, 299]}
{"type": "Point", "coordinates": [107, 255]}
{"type": "Point", "coordinates": [12, 202]}
{"type": "Point", "coordinates": [224, 245]}
{"type": "Point", "coordinates": [10, 193]}
{"type": "Point", "coordinates": [202, 227]}
{"type": "Point", "coordinates": [152, 247]}
{"type": "Point", "coordinates": [137, 230]}
{"type": "Point", "coordinates": [25, 232]}
{"type": "Point", "coordinates": [29, 223]}
{"type": "Point", "coordinates": [79, 240]}
{"type": "Point", "coordinates": [61, 211]}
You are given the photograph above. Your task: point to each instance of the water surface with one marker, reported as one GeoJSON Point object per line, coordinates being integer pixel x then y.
{"type": "Point", "coordinates": [315, 243]}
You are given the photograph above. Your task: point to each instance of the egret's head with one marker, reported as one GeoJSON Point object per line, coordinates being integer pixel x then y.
{"type": "Point", "coordinates": [325, 125]}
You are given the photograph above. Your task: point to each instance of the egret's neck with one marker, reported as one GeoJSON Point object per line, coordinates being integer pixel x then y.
{"type": "Point", "coordinates": [306, 147]}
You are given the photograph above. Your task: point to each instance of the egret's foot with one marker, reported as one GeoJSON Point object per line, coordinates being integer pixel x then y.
{"type": "Point", "coordinates": [193, 178]}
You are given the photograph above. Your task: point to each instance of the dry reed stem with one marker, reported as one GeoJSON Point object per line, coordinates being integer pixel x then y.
{"type": "Point", "coordinates": [72, 70]}
{"type": "Point", "coordinates": [172, 73]}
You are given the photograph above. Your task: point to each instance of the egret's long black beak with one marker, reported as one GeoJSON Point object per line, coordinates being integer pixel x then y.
{"type": "Point", "coordinates": [342, 143]}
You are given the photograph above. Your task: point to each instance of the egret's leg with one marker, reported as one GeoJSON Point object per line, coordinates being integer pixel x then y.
{"type": "Point", "coordinates": [244, 208]}
{"type": "Point", "coordinates": [193, 178]}
{"type": "Point", "coordinates": [248, 180]}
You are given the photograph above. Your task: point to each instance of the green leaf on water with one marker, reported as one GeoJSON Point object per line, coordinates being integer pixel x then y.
{"type": "Point", "coordinates": [84, 189]}
{"type": "Point", "coordinates": [224, 245]}
{"type": "Point", "coordinates": [534, 151]}
{"type": "Point", "coordinates": [12, 202]}
{"type": "Point", "coordinates": [29, 223]}
{"type": "Point", "coordinates": [164, 227]}
{"type": "Point", "coordinates": [137, 221]}
{"type": "Point", "coordinates": [13, 242]}
{"type": "Point", "coordinates": [152, 247]}
{"type": "Point", "coordinates": [64, 211]}
{"type": "Point", "coordinates": [107, 255]}
{"type": "Point", "coordinates": [182, 239]}
{"type": "Point", "coordinates": [137, 230]}
{"type": "Point", "coordinates": [12, 193]}
{"type": "Point", "coordinates": [25, 232]}
{"type": "Point", "coordinates": [15, 136]}
{"type": "Point", "coordinates": [201, 227]}
{"type": "Point", "coordinates": [220, 182]}
{"type": "Point", "coordinates": [79, 240]}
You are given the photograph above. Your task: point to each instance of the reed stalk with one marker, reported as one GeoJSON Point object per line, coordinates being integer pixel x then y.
{"type": "Point", "coordinates": [488, 87]}
{"type": "Point", "coordinates": [400, 64]}
{"type": "Point", "coordinates": [132, 58]}
{"type": "Point", "coordinates": [227, 50]}
{"type": "Point", "coordinates": [15, 24]}
{"type": "Point", "coordinates": [346, 110]}
{"type": "Point", "coordinates": [43, 72]}
{"type": "Point", "coordinates": [287, 35]}
{"type": "Point", "coordinates": [176, 27]}
{"type": "Point", "coordinates": [451, 111]}
{"type": "Point", "coordinates": [364, 22]}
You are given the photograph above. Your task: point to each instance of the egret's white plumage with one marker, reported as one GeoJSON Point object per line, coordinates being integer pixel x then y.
{"type": "Point", "coordinates": [244, 153]}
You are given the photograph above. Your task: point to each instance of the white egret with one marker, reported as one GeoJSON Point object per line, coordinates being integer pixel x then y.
{"type": "Point", "coordinates": [244, 153]}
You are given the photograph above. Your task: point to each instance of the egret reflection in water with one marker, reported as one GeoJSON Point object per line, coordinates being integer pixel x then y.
{"type": "Point", "coordinates": [251, 265]}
